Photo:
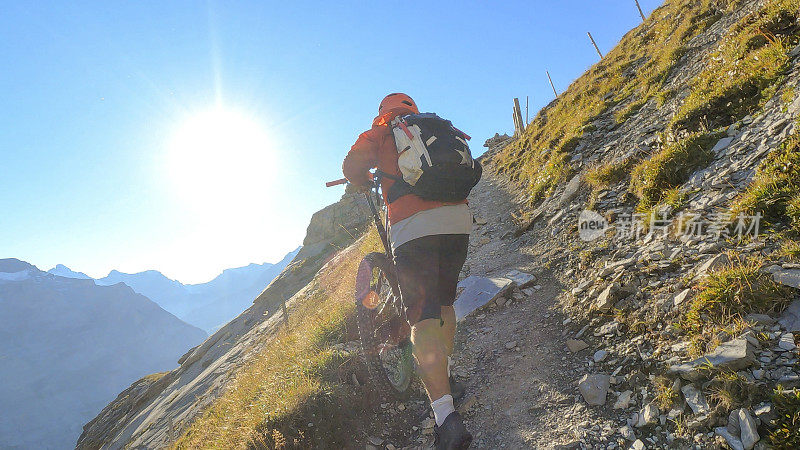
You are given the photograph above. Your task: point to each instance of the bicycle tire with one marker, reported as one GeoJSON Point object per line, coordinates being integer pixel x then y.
{"type": "Point", "coordinates": [397, 384]}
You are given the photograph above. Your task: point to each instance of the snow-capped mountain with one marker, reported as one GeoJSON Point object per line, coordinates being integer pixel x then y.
{"type": "Point", "coordinates": [205, 305]}
{"type": "Point", "coordinates": [68, 346]}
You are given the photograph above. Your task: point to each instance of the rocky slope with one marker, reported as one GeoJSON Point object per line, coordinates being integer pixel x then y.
{"type": "Point", "coordinates": [68, 346]}
{"type": "Point", "coordinates": [658, 331]}
{"type": "Point", "coordinates": [152, 413]}
{"type": "Point", "coordinates": [676, 329]}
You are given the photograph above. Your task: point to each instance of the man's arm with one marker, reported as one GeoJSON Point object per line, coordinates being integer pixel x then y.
{"type": "Point", "coordinates": [362, 157]}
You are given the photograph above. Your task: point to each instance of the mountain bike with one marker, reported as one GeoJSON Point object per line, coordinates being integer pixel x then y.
{"type": "Point", "coordinates": [383, 328]}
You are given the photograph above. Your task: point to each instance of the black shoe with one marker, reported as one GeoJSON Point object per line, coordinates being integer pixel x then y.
{"type": "Point", "coordinates": [457, 389]}
{"type": "Point", "coordinates": [452, 435]}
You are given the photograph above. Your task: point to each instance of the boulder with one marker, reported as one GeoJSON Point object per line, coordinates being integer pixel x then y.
{"type": "Point", "coordinates": [734, 355]}
{"type": "Point", "coordinates": [681, 297]}
{"type": "Point", "coordinates": [788, 277]}
{"type": "Point", "coordinates": [747, 425]}
{"type": "Point", "coordinates": [624, 400]}
{"type": "Point", "coordinates": [605, 301]}
{"type": "Point", "coordinates": [576, 345]}
{"type": "Point", "coordinates": [334, 226]}
{"type": "Point", "coordinates": [477, 292]}
{"type": "Point", "coordinates": [712, 264]}
{"type": "Point", "coordinates": [759, 319]}
{"type": "Point", "coordinates": [600, 355]}
{"type": "Point", "coordinates": [638, 445]}
{"type": "Point", "coordinates": [571, 190]}
{"type": "Point", "coordinates": [790, 319]}
{"type": "Point", "coordinates": [648, 415]}
{"type": "Point", "coordinates": [722, 144]}
{"type": "Point", "coordinates": [695, 399]}
{"type": "Point", "coordinates": [594, 388]}
{"type": "Point", "coordinates": [522, 279]}
{"type": "Point", "coordinates": [786, 342]}
{"type": "Point", "coordinates": [732, 440]}
{"type": "Point", "coordinates": [627, 433]}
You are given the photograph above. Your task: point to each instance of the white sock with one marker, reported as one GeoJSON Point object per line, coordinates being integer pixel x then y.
{"type": "Point", "coordinates": [442, 408]}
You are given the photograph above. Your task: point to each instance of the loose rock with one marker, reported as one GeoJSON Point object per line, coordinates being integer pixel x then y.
{"type": "Point", "coordinates": [576, 345]}
{"type": "Point", "coordinates": [594, 388]}
{"type": "Point", "coordinates": [695, 399]}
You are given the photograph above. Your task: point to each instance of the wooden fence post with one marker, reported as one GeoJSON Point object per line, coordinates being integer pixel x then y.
{"type": "Point", "coordinates": [519, 127]}
{"type": "Point", "coordinates": [640, 9]}
{"type": "Point", "coordinates": [527, 120]}
{"type": "Point", "coordinates": [551, 83]}
{"type": "Point", "coordinates": [595, 44]}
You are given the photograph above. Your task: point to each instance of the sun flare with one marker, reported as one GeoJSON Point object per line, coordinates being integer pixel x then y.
{"type": "Point", "coordinates": [219, 156]}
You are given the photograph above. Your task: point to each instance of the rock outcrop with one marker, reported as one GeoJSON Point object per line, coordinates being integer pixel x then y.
{"type": "Point", "coordinates": [335, 225]}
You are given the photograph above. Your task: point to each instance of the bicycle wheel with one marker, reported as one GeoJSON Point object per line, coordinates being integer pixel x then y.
{"type": "Point", "coordinates": [382, 328]}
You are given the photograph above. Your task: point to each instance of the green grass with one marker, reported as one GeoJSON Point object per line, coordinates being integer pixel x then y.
{"type": "Point", "coordinates": [605, 175]}
{"type": "Point", "coordinates": [786, 433]}
{"type": "Point", "coordinates": [730, 391]}
{"type": "Point", "coordinates": [733, 292]}
{"type": "Point", "coordinates": [787, 97]}
{"type": "Point", "coordinates": [791, 250]}
{"type": "Point", "coordinates": [675, 198]}
{"type": "Point", "coordinates": [745, 70]}
{"type": "Point", "coordinates": [665, 396]}
{"type": "Point", "coordinates": [153, 377]}
{"type": "Point", "coordinates": [775, 190]}
{"type": "Point", "coordinates": [793, 211]}
{"type": "Point", "coordinates": [671, 167]}
{"type": "Point", "coordinates": [298, 378]}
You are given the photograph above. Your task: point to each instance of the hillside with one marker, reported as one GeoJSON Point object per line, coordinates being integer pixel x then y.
{"type": "Point", "coordinates": [61, 344]}
{"type": "Point", "coordinates": [154, 412]}
{"type": "Point", "coordinates": [658, 319]}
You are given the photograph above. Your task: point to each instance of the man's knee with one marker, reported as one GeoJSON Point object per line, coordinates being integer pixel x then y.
{"type": "Point", "coordinates": [427, 339]}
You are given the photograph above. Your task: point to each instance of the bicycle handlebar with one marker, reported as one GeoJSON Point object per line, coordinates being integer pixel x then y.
{"type": "Point", "coordinates": [336, 183]}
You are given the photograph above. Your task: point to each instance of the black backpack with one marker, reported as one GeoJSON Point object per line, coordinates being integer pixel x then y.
{"type": "Point", "coordinates": [434, 159]}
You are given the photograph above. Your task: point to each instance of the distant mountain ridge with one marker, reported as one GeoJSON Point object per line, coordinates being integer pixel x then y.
{"type": "Point", "coordinates": [206, 305]}
{"type": "Point", "coordinates": [64, 271]}
{"type": "Point", "coordinates": [68, 345]}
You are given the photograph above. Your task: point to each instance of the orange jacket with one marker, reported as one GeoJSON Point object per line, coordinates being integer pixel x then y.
{"type": "Point", "coordinates": [375, 148]}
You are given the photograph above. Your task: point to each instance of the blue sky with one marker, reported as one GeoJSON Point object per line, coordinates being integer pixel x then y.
{"type": "Point", "coordinates": [93, 95]}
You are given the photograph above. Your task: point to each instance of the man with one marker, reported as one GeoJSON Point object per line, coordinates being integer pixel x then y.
{"type": "Point", "coordinates": [429, 241]}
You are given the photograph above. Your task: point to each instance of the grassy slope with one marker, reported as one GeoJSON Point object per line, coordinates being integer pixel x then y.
{"type": "Point", "coordinates": [741, 74]}
{"type": "Point", "coordinates": [299, 378]}
{"type": "Point", "coordinates": [745, 69]}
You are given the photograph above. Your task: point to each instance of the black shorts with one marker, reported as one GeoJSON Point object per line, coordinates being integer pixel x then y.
{"type": "Point", "coordinates": [427, 270]}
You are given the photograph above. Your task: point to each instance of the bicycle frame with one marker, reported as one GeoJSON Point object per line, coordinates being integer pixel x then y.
{"type": "Point", "coordinates": [383, 230]}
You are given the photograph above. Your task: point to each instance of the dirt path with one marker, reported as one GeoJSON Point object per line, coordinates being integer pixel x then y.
{"type": "Point", "coordinates": [520, 377]}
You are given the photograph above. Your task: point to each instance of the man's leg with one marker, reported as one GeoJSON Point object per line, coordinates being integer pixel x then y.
{"type": "Point", "coordinates": [451, 261]}
{"type": "Point", "coordinates": [448, 328]}
{"type": "Point", "coordinates": [430, 352]}
{"type": "Point", "coordinates": [417, 264]}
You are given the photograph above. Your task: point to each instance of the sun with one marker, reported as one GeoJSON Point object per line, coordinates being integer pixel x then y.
{"type": "Point", "coordinates": [219, 157]}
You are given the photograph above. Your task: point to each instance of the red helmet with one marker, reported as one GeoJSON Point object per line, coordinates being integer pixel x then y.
{"type": "Point", "coordinates": [397, 101]}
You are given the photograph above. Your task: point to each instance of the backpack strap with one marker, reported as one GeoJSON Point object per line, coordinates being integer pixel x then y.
{"type": "Point", "coordinates": [398, 189]}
